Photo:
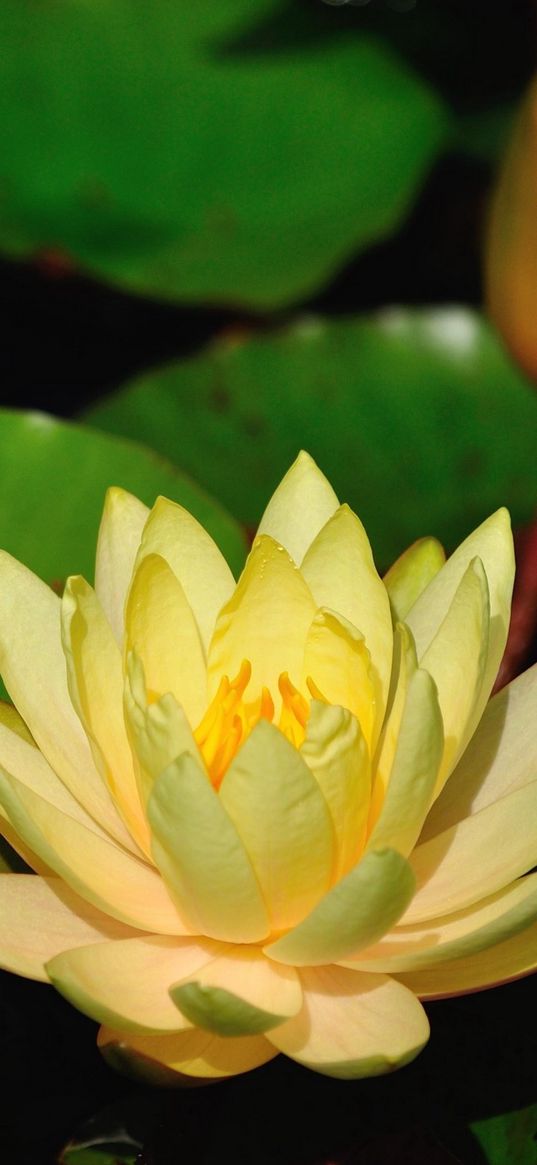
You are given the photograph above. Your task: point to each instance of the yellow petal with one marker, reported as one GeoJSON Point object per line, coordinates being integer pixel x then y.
{"type": "Point", "coordinates": [202, 857]}
{"type": "Point", "coordinates": [404, 666]}
{"type": "Point", "coordinates": [126, 984]}
{"type": "Point", "coordinates": [366, 903]}
{"type": "Point", "coordinates": [265, 621]}
{"type": "Point", "coordinates": [335, 752]}
{"type": "Point", "coordinates": [32, 664]}
{"type": "Point", "coordinates": [39, 917]}
{"type": "Point", "coordinates": [158, 732]}
{"type": "Point", "coordinates": [282, 818]}
{"type": "Point", "coordinates": [10, 718]}
{"type": "Point", "coordinates": [352, 1024]}
{"type": "Point", "coordinates": [415, 769]}
{"type": "Point", "coordinates": [121, 528]}
{"type": "Point", "coordinates": [499, 964]}
{"type": "Point", "coordinates": [299, 508]}
{"type": "Point", "coordinates": [95, 678]}
{"type": "Point", "coordinates": [240, 993]}
{"type": "Point", "coordinates": [476, 857]}
{"type": "Point", "coordinates": [411, 573]}
{"type": "Point", "coordinates": [113, 880]}
{"type": "Point", "coordinates": [162, 630]}
{"type": "Point", "coordinates": [464, 933]}
{"type": "Point", "coordinates": [341, 574]}
{"type": "Point", "coordinates": [194, 558]}
{"type": "Point", "coordinates": [195, 1053]}
{"type": "Point", "coordinates": [337, 659]}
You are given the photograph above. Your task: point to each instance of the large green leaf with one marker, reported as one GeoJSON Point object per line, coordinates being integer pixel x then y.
{"type": "Point", "coordinates": [54, 477]}
{"type": "Point", "coordinates": [418, 418]}
{"type": "Point", "coordinates": [167, 151]}
{"type": "Point", "coordinates": [509, 1139]}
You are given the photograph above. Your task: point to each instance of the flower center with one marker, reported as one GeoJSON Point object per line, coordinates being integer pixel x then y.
{"type": "Point", "coordinates": [230, 718]}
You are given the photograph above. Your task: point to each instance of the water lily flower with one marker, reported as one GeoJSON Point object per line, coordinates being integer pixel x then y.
{"type": "Point", "coordinates": [272, 815]}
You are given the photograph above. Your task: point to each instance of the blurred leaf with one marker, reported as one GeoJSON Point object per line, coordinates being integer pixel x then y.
{"type": "Point", "coordinates": [417, 417]}
{"type": "Point", "coordinates": [510, 1139]}
{"type": "Point", "coordinates": [484, 135]}
{"type": "Point", "coordinates": [166, 152]}
{"type": "Point", "coordinates": [54, 478]}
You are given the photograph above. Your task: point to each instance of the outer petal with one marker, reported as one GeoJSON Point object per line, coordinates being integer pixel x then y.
{"type": "Point", "coordinates": [39, 917]}
{"type": "Point", "coordinates": [240, 993]}
{"type": "Point", "coordinates": [499, 964]}
{"type": "Point", "coordinates": [116, 882]}
{"type": "Point", "coordinates": [411, 573]}
{"type": "Point", "coordinates": [32, 664]}
{"type": "Point", "coordinates": [500, 758]}
{"type": "Point", "coordinates": [266, 621]}
{"type": "Point", "coordinates": [404, 666]}
{"type": "Point", "coordinates": [496, 919]}
{"type": "Point", "coordinates": [337, 659]}
{"type": "Point", "coordinates": [120, 532]}
{"type": "Point", "coordinates": [476, 857]}
{"type": "Point", "coordinates": [95, 678]}
{"type": "Point", "coordinates": [336, 753]}
{"type": "Point", "coordinates": [299, 508]}
{"type": "Point", "coordinates": [367, 902]}
{"type": "Point", "coordinates": [340, 572]}
{"type": "Point", "coordinates": [194, 559]}
{"type": "Point", "coordinates": [202, 856]}
{"type": "Point", "coordinates": [192, 1053]}
{"type": "Point", "coordinates": [126, 983]}
{"type": "Point", "coordinates": [162, 630]}
{"type": "Point", "coordinates": [158, 732]}
{"type": "Point", "coordinates": [352, 1024]}
{"type": "Point", "coordinates": [282, 818]}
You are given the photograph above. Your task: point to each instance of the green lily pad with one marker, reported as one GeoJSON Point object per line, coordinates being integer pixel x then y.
{"type": "Point", "coordinates": [509, 1139]}
{"type": "Point", "coordinates": [167, 148]}
{"type": "Point", "coordinates": [54, 478]}
{"type": "Point", "coordinates": [417, 417]}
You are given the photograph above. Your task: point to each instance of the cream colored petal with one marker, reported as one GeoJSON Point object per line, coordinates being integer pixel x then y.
{"type": "Point", "coordinates": [341, 574]}
{"type": "Point", "coordinates": [476, 857]}
{"type": "Point", "coordinates": [456, 659]}
{"type": "Point", "coordinates": [352, 1024]}
{"type": "Point", "coordinates": [411, 573]}
{"type": "Point", "coordinates": [95, 679]}
{"type": "Point", "coordinates": [299, 508]}
{"type": "Point", "coordinates": [202, 857]}
{"type": "Point", "coordinates": [102, 873]}
{"type": "Point", "coordinates": [499, 964]}
{"type": "Point", "coordinates": [192, 1053]}
{"type": "Point", "coordinates": [10, 835]}
{"type": "Point", "coordinates": [162, 630]}
{"type": "Point", "coordinates": [158, 732]}
{"type": "Point", "coordinates": [39, 917]}
{"type": "Point", "coordinates": [335, 752]}
{"type": "Point", "coordinates": [266, 621]}
{"type": "Point", "coordinates": [120, 532]}
{"type": "Point", "coordinates": [241, 993]}
{"type": "Point", "coordinates": [32, 665]}
{"type": "Point", "coordinates": [282, 818]}
{"type": "Point", "coordinates": [404, 666]}
{"type": "Point", "coordinates": [500, 758]}
{"type": "Point", "coordinates": [494, 920]}
{"type": "Point", "coordinates": [337, 659]}
{"type": "Point", "coordinates": [126, 984]}
{"type": "Point", "coordinates": [415, 769]}
{"type": "Point", "coordinates": [10, 718]}
{"type": "Point", "coordinates": [492, 542]}
{"type": "Point", "coordinates": [193, 557]}
{"type": "Point", "coordinates": [367, 902]}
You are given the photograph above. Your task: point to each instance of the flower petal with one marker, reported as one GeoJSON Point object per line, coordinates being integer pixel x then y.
{"type": "Point", "coordinates": [352, 1024]}
{"type": "Point", "coordinates": [121, 528]}
{"type": "Point", "coordinates": [337, 659]}
{"type": "Point", "coordinates": [411, 573]}
{"type": "Point", "coordinates": [240, 993]}
{"type": "Point", "coordinates": [404, 666]}
{"type": "Point", "coordinates": [126, 984]}
{"type": "Point", "coordinates": [195, 1053]}
{"type": "Point", "coordinates": [39, 917]}
{"type": "Point", "coordinates": [282, 818]}
{"type": "Point", "coordinates": [265, 620]}
{"type": "Point", "coordinates": [299, 507]}
{"type": "Point", "coordinates": [368, 901]}
{"type": "Point", "coordinates": [335, 752]}
{"type": "Point", "coordinates": [341, 574]}
{"type": "Point", "coordinates": [112, 879]}
{"type": "Point", "coordinates": [498, 964]}
{"type": "Point", "coordinates": [158, 732]}
{"type": "Point", "coordinates": [202, 857]}
{"type": "Point", "coordinates": [194, 558]}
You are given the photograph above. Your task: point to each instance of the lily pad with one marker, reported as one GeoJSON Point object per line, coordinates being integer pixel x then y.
{"type": "Point", "coordinates": [510, 1137]}
{"type": "Point", "coordinates": [417, 417]}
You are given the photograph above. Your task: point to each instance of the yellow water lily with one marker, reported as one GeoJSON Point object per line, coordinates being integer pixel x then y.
{"type": "Point", "coordinates": [272, 815]}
